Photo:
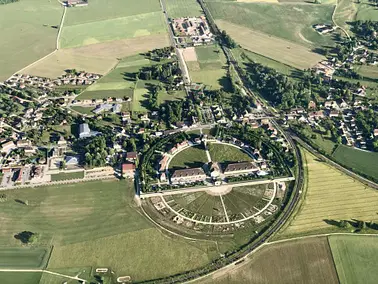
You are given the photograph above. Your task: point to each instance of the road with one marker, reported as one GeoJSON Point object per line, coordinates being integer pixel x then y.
{"type": "Point", "coordinates": [183, 67]}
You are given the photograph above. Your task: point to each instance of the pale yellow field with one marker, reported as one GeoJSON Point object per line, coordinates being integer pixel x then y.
{"type": "Point", "coordinates": [96, 58]}
{"type": "Point", "coordinates": [334, 196]}
{"type": "Point", "coordinates": [257, 1]}
{"type": "Point", "coordinates": [281, 50]}
{"type": "Point", "coordinates": [189, 54]}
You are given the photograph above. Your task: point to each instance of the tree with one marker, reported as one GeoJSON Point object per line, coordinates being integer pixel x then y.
{"type": "Point", "coordinates": [133, 144]}
{"type": "Point", "coordinates": [27, 237]}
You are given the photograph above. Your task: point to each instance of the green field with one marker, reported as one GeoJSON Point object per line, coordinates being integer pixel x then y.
{"type": "Point", "coordinates": [113, 29]}
{"type": "Point", "coordinates": [355, 258]}
{"type": "Point", "coordinates": [76, 220]}
{"type": "Point", "coordinates": [140, 95]}
{"type": "Point", "coordinates": [358, 160]}
{"type": "Point", "coordinates": [227, 154]}
{"type": "Point", "coordinates": [67, 176]}
{"type": "Point", "coordinates": [330, 196]}
{"type": "Point", "coordinates": [292, 22]}
{"type": "Point", "coordinates": [183, 8]}
{"type": "Point", "coordinates": [83, 110]}
{"type": "Point", "coordinates": [99, 10]}
{"type": "Point", "coordinates": [366, 11]}
{"type": "Point", "coordinates": [24, 258]}
{"type": "Point", "coordinates": [210, 67]}
{"type": "Point", "coordinates": [189, 158]}
{"type": "Point", "coordinates": [292, 262]}
{"type": "Point", "coordinates": [27, 33]}
{"type": "Point", "coordinates": [20, 277]}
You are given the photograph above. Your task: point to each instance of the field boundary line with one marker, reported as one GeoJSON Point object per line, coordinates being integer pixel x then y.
{"type": "Point", "coordinates": [320, 235]}
{"type": "Point", "coordinates": [333, 260]}
{"type": "Point", "coordinates": [224, 209]}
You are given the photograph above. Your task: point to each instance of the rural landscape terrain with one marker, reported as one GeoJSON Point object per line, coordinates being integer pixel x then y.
{"type": "Point", "coordinates": [188, 141]}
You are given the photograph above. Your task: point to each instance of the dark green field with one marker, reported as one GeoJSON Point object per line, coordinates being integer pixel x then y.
{"type": "Point", "coordinates": [26, 258]}
{"type": "Point", "coordinates": [360, 161]}
{"type": "Point", "coordinates": [227, 154]}
{"type": "Point", "coordinates": [67, 176]}
{"type": "Point", "coordinates": [20, 277]}
{"type": "Point", "coordinates": [189, 158]}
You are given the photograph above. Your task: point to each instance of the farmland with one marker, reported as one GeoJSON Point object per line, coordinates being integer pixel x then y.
{"type": "Point", "coordinates": [299, 261]}
{"type": "Point", "coordinates": [192, 157]}
{"type": "Point", "coordinates": [96, 58]}
{"type": "Point", "coordinates": [209, 67]}
{"type": "Point", "coordinates": [67, 176]}
{"type": "Point", "coordinates": [285, 51]}
{"type": "Point", "coordinates": [360, 161]}
{"type": "Point", "coordinates": [331, 196]}
{"type": "Point", "coordinates": [67, 217]}
{"type": "Point", "coordinates": [183, 8]}
{"type": "Point", "coordinates": [292, 22]}
{"type": "Point", "coordinates": [27, 33]}
{"type": "Point", "coordinates": [20, 278]}
{"type": "Point", "coordinates": [355, 258]}
{"type": "Point", "coordinates": [22, 258]}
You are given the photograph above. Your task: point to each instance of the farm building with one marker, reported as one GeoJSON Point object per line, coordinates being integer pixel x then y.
{"type": "Point", "coordinates": [76, 3]}
{"type": "Point", "coordinates": [128, 170]}
{"type": "Point", "coordinates": [243, 168]}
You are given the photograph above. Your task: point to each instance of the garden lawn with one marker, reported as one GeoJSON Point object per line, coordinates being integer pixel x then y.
{"type": "Point", "coordinates": [227, 154]}
{"type": "Point", "coordinates": [360, 161]}
{"type": "Point", "coordinates": [189, 158]}
{"type": "Point", "coordinates": [355, 258]}
{"type": "Point", "coordinates": [67, 176]}
{"type": "Point", "coordinates": [104, 94]}
{"type": "Point", "coordinates": [20, 277]}
{"type": "Point", "coordinates": [330, 196]}
{"type": "Point", "coordinates": [294, 262]}
{"type": "Point", "coordinates": [27, 33]}
{"type": "Point", "coordinates": [83, 110]}
{"type": "Point", "coordinates": [183, 8]}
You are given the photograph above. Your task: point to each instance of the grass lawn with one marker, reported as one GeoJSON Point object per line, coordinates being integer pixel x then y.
{"type": "Point", "coordinates": [324, 143]}
{"type": "Point", "coordinates": [368, 71]}
{"type": "Point", "coordinates": [246, 56]}
{"type": "Point", "coordinates": [31, 21]}
{"type": "Point", "coordinates": [208, 53]}
{"type": "Point", "coordinates": [292, 22]}
{"type": "Point", "coordinates": [104, 94]}
{"type": "Point", "coordinates": [183, 8]}
{"type": "Point", "coordinates": [83, 110]}
{"type": "Point", "coordinates": [113, 29]}
{"type": "Point", "coordinates": [358, 160]}
{"type": "Point", "coordinates": [24, 258]}
{"type": "Point", "coordinates": [20, 277]}
{"type": "Point", "coordinates": [140, 94]}
{"type": "Point", "coordinates": [189, 158]}
{"type": "Point", "coordinates": [355, 258]}
{"type": "Point", "coordinates": [366, 11]}
{"type": "Point", "coordinates": [76, 219]}
{"type": "Point", "coordinates": [164, 96]}
{"type": "Point", "coordinates": [294, 262]}
{"type": "Point", "coordinates": [330, 196]}
{"type": "Point", "coordinates": [67, 176]}
{"type": "Point", "coordinates": [227, 154]}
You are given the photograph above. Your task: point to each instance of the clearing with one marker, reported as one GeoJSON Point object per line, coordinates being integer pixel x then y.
{"type": "Point", "coordinates": [28, 32]}
{"type": "Point", "coordinates": [330, 196]}
{"type": "Point", "coordinates": [355, 258]}
{"type": "Point", "coordinates": [292, 262]}
{"type": "Point", "coordinates": [287, 52]}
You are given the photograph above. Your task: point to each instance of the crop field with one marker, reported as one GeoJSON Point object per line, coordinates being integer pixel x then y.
{"type": "Point", "coordinates": [20, 278]}
{"type": "Point", "coordinates": [361, 161]}
{"type": "Point", "coordinates": [227, 154]}
{"type": "Point", "coordinates": [113, 29]}
{"type": "Point", "coordinates": [355, 258]}
{"type": "Point", "coordinates": [292, 22]}
{"type": "Point", "coordinates": [331, 196]}
{"type": "Point", "coordinates": [191, 157]}
{"type": "Point", "coordinates": [67, 216]}
{"type": "Point", "coordinates": [23, 258]}
{"type": "Point", "coordinates": [294, 262]}
{"type": "Point", "coordinates": [183, 8]}
{"type": "Point", "coordinates": [210, 67]}
{"type": "Point", "coordinates": [27, 33]}
{"type": "Point", "coordinates": [285, 51]}
{"type": "Point", "coordinates": [97, 58]}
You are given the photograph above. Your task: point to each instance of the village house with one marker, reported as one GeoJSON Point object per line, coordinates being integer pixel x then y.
{"type": "Point", "coordinates": [128, 170]}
